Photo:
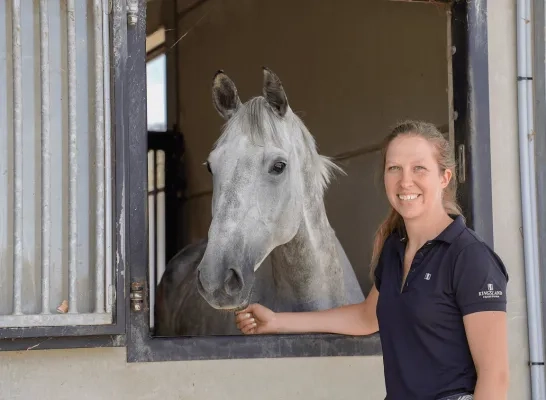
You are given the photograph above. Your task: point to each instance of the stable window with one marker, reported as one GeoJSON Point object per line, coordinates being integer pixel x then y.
{"type": "Point", "coordinates": [405, 74]}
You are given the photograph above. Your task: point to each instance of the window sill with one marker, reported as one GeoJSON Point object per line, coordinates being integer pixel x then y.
{"type": "Point", "coordinates": [153, 349]}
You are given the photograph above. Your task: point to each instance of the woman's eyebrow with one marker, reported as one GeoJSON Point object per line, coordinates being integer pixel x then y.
{"type": "Point", "coordinates": [418, 161]}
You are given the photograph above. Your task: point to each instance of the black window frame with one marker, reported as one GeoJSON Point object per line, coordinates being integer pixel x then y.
{"type": "Point", "coordinates": [470, 67]}
{"type": "Point", "coordinates": [471, 104]}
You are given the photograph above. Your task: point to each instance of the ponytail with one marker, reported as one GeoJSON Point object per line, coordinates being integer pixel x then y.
{"type": "Point", "coordinates": [392, 223]}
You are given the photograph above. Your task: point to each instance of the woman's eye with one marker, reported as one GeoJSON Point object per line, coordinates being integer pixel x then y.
{"type": "Point", "coordinates": [278, 167]}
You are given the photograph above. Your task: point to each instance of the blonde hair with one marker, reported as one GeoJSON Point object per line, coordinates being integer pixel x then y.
{"type": "Point", "coordinates": [445, 159]}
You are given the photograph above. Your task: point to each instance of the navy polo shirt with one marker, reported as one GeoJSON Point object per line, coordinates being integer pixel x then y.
{"type": "Point", "coordinates": [425, 350]}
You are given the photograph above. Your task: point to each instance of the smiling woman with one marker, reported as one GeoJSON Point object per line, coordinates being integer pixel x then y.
{"type": "Point", "coordinates": [439, 294]}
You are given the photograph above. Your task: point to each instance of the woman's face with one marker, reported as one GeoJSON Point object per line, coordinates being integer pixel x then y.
{"type": "Point", "coordinates": [413, 180]}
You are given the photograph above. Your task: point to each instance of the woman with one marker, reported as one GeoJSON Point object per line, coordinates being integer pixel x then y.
{"type": "Point", "coordinates": [439, 293]}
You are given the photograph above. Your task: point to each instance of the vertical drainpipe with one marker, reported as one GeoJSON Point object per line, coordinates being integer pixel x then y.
{"type": "Point", "coordinates": [530, 185]}
{"type": "Point", "coordinates": [539, 79]}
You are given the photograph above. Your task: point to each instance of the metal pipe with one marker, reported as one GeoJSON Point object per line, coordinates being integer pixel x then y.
{"type": "Point", "coordinates": [18, 159]}
{"type": "Point", "coordinates": [99, 157]}
{"type": "Point", "coordinates": [151, 230]}
{"type": "Point", "coordinates": [539, 79]}
{"type": "Point", "coordinates": [531, 134]}
{"type": "Point", "coordinates": [528, 198]}
{"type": "Point", "coordinates": [108, 157]}
{"type": "Point", "coordinates": [72, 159]}
{"type": "Point", "coordinates": [46, 154]}
{"type": "Point", "coordinates": [160, 215]}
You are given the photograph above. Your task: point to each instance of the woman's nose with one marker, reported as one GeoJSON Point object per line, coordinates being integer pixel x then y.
{"type": "Point", "coordinates": [406, 180]}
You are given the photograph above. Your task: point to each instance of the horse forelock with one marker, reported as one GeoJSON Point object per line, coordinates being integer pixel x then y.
{"type": "Point", "coordinates": [263, 126]}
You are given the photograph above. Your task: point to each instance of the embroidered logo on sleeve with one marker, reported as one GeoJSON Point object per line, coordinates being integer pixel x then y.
{"type": "Point", "coordinates": [490, 293]}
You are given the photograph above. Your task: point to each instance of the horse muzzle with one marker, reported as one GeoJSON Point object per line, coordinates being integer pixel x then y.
{"type": "Point", "coordinates": [228, 290]}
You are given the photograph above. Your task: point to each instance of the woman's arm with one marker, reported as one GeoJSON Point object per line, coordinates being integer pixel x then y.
{"type": "Point", "coordinates": [354, 319]}
{"type": "Point", "coordinates": [487, 337]}
{"type": "Point", "coordinates": [480, 281]}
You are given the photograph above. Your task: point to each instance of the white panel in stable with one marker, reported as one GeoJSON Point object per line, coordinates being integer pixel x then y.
{"type": "Point", "coordinates": [55, 164]}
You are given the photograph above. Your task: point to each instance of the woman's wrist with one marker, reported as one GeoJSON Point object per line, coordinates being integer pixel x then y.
{"type": "Point", "coordinates": [294, 322]}
{"type": "Point", "coordinates": [276, 323]}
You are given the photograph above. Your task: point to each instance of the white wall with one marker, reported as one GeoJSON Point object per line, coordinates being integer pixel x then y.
{"type": "Point", "coordinates": [506, 183]}
{"type": "Point", "coordinates": [103, 374]}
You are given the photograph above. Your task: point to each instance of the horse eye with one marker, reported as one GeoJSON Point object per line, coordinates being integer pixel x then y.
{"type": "Point", "coordinates": [208, 167]}
{"type": "Point", "coordinates": [278, 167]}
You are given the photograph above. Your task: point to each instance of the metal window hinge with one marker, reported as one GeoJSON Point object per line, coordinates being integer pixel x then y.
{"type": "Point", "coordinates": [132, 12]}
{"type": "Point", "coordinates": [137, 296]}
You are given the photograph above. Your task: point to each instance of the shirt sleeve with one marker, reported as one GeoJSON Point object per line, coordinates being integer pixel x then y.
{"type": "Point", "coordinates": [479, 280]}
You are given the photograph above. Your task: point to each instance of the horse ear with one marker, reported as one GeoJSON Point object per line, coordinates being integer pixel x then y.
{"type": "Point", "coordinates": [274, 92]}
{"type": "Point", "coordinates": [224, 95]}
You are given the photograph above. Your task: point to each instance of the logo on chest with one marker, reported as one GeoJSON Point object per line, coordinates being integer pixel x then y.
{"type": "Point", "coordinates": [427, 276]}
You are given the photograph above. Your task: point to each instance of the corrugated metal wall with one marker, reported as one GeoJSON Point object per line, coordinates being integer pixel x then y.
{"type": "Point", "coordinates": [55, 163]}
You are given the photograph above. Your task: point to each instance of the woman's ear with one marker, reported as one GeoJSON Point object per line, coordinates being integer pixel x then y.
{"type": "Point", "coordinates": [446, 177]}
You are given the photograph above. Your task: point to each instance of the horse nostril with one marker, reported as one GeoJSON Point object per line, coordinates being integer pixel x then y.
{"type": "Point", "coordinates": [199, 283]}
{"type": "Point", "coordinates": [233, 283]}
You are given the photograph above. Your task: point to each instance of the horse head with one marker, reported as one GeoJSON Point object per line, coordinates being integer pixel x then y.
{"type": "Point", "coordinates": [264, 169]}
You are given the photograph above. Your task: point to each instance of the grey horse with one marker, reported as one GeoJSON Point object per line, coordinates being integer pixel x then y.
{"type": "Point", "coordinates": [270, 240]}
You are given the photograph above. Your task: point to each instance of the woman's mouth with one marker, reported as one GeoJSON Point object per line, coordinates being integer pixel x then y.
{"type": "Point", "coordinates": [408, 197]}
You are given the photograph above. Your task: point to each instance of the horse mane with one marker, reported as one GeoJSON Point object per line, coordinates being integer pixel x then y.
{"type": "Point", "coordinates": [257, 119]}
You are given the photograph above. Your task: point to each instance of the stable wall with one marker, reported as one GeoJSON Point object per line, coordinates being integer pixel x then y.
{"type": "Point", "coordinates": [350, 69]}
{"type": "Point", "coordinates": [505, 181]}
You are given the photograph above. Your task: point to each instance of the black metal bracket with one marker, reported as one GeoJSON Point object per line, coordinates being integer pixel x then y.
{"type": "Point", "coordinates": [471, 105]}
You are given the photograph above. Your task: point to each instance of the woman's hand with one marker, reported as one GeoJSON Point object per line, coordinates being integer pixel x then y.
{"type": "Point", "coordinates": [256, 319]}
{"type": "Point", "coordinates": [353, 319]}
